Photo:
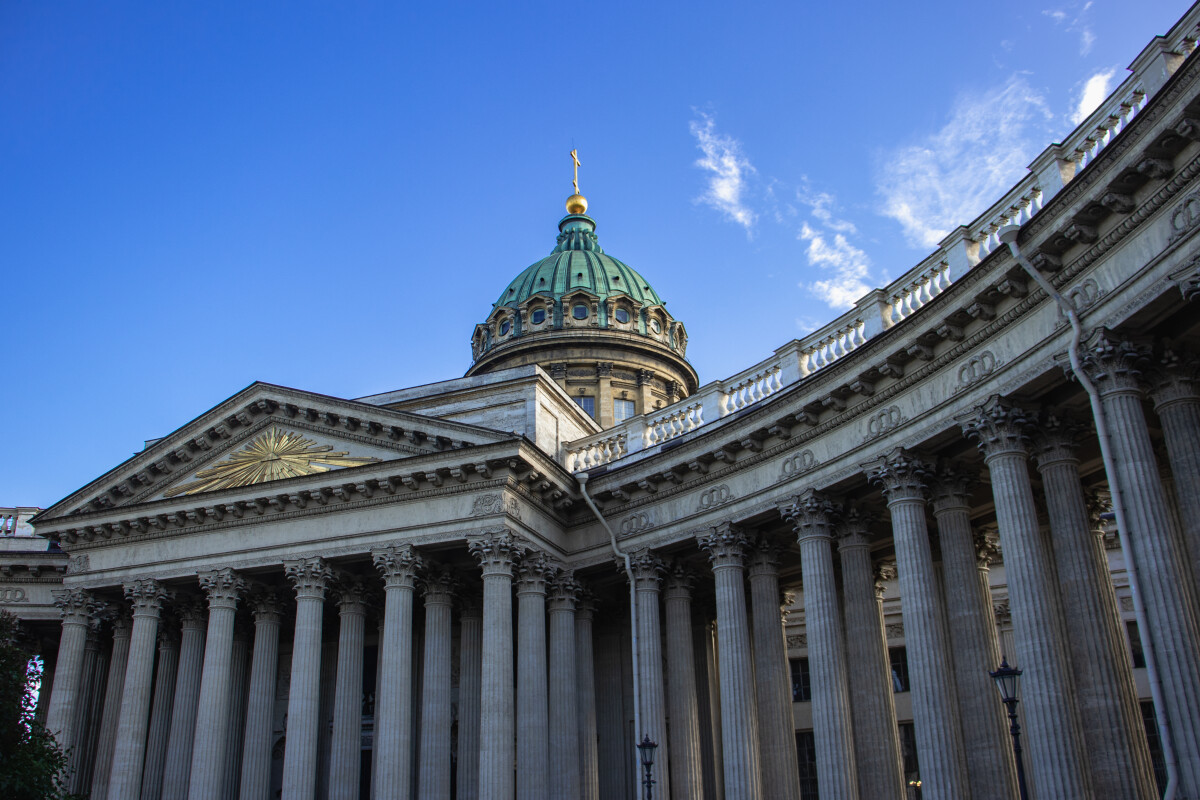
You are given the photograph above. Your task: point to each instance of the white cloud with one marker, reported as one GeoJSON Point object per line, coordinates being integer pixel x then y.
{"type": "Point", "coordinates": [1095, 91]}
{"type": "Point", "coordinates": [728, 171]}
{"type": "Point", "coordinates": [950, 176]}
{"type": "Point", "coordinates": [848, 264]}
{"type": "Point", "coordinates": [822, 205]}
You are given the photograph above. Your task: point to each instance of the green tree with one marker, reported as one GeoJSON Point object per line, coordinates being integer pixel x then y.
{"type": "Point", "coordinates": [32, 765]}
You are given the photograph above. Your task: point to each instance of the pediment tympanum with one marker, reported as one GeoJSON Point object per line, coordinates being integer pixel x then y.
{"type": "Point", "coordinates": [274, 454]}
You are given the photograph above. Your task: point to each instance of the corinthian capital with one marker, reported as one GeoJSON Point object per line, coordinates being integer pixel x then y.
{"type": "Point", "coordinates": [998, 427]}
{"type": "Point", "coordinates": [853, 529]}
{"type": "Point", "coordinates": [811, 514]}
{"type": "Point", "coordinates": [647, 569]}
{"type": "Point", "coordinates": [1057, 439]}
{"type": "Point", "coordinates": [1115, 362]}
{"type": "Point", "coordinates": [309, 576]}
{"type": "Point", "coordinates": [726, 546]}
{"type": "Point", "coordinates": [901, 474]}
{"type": "Point", "coordinates": [1175, 378]}
{"type": "Point", "coordinates": [496, 552]}
{"type": "Point", "coordinates": [564, 591]}
{"type": "Point", "coordinates": [224, 587]}
{"type": "Point", "coordinates": [533, 572]}
{"type": "Point", "coordinates": [951, 487]}
{"type": "Point", "coordinates": [398, 564]}
{"type": "Point", "coordinates": [78, 606]}
{"type": "Point", "coordinates": [146, 596]}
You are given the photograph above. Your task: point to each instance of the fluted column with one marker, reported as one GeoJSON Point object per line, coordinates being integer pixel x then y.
{"type": "Point", "coordinates": [133, 701]}
{"type": "Point", "coordinates": [235, 741]}
{"type": "Point", "coordinates": [310, 578]}
{"type": "Point", "coordinates": [1048, 689]}
{"type": "Point", "coordinates": [178, 769]}
{"type": "Point", "coordinates": [726, 547]}
{"type": "Point", "coordinates": [873, 708]}
{"type": "Point", "coordinates": [712, 682]}
{"type": "Point", "coordinates": [345, 750]}
{"type": "Point", "coordinates": [78, 609]}
{"type": "Point", "coordinates": [533, 747]}
{"type": "Point", "coordinates": [990, 765]}
{"type": "Point", "coordinates": [1175, 389]}
{"type": "Point", "coordinates": [708, 703]}
{"type": "Point", "coordinates": [260, 700]}
{"type": "Point", "coordinates": [434, 783]}
{"type": "Point", "coordinates": [87, 719]}
{"type": "Point", "coordinates": [160, 712]}
{"type": "Point", "coordinates": [647, 574]}
{"type": "Point", "coordinates": [224, 587]}
{"type": "Point", "coordinates": [832, 726]}
{"type": "Point", "coordinates": [935, 705]}
{"type": "Point", "coordinates": [122, 629]}
{"type": "Point", "coordinates": [563, 672]}
{"type": "Point", "coordinates": [470, 678]}
{"type": "Point", "coordinates": [496, 553]}
{"type": "Point", "coordinates": [585, 674]}
{"type": "Point", "coordinates": [687, 774]}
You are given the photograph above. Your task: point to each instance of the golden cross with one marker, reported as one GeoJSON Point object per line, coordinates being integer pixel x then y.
{"type": "Point", "coordinates": [575, 158]}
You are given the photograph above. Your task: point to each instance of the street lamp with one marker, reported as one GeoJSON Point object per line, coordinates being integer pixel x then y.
{"type": "Point", "coordinates": [1007, 681]}
{"type": "Point", "coordinates": [646, 750]}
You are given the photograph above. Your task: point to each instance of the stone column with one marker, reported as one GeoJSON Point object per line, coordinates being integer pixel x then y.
{"type": "Point", "coordinates": [687, 774]}
{"type": "Point", "coordinates": [585, 692]}
{"type": "Point", "coordinates": [78, 609]}
{"type": "Point", "coordinates": [533, 746]}
{"type": "Point", "coordinates": [127, 755]}
{"type": "Point", "coordinates": [1175, 389]}
{"type": "Point", "coordinates": [224, 587]}
{"type": "Point", "coordinates": [873, 707]}
{"type": "Point", "coordinates": [1112, 721]}
{"type": "Point", "coordinates": [713, 682]}
{"type": "Point", "coordinates": [708, 702]}
{"type": "Point", "coordinates": [496, 553]}
{"type": "Point", "coordinates": [440, 590]}
{"type": "Point", "coordinates": [726, 547]}
{"type": "Point", "coordinates": [1047, 688]}
{"type": "Point", "coordinates": [235, 742]}
{"type": "Point", "coordinates": [563, 694]}
{"type": "Point", "coordinates": [986, 739]}
{"type": "Point", "coordinates": [1115, 365]}
{"type": "Point", "coordinates": [345, 756]}
{"type": "Point", "coordinates": [647, 569]}
{"type": "Point", "coordinates": [309, 577]}
{"type": "Point", "coordinates": [935, 705]}
{"type": "Point", "coordinates": [470, 678]}
{"type": "Point", "coordinates": [87, 719]}
{"type": "Point", "coordinates": [811, 514]}
{"type": "Point", "coordinates": [160, 711]}
{"type": "Point", "coordinates": [122, 629]}
{"type": "Point", "coordinates": [260, 702]}
{"type": "Point", "coordinates": [178, 769]}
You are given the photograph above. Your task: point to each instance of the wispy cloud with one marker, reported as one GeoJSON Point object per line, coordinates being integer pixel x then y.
{"type": "Point", "coordinates": [823, 204]}
{"type": "Point", "coordinates": [1095, 90]}
{"type": "Point", "coordinates": [848, 264]}
{"type": "Point", "coordinates": [728, 170]}
{"type": "Point", "coordinates": [1075, 22]}
{"type": "Point", "coordinates": [950, 176]}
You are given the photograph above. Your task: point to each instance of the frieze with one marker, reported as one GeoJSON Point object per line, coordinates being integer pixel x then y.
{"type": "Point", "coordinates": [883, 422]}
{"type": "Point", "coordinates": [638, 521]}
{"type": "Point", "coordinates": [715, 497]}
{"type": "Point", "coordinates": [79, 563]}
{"type": "Point", "coordinates": [13, 594]}
{"type": "Point", "coordinates": [976, 369]}
{"type": "Point", "coordinates": [797, 464]}
{"type": "Point", "coordinates": [1083, 296]}
{"type": "Point", "coordinates": [486, 505]}
{"type": "Point", "coordinates": [797, 641]}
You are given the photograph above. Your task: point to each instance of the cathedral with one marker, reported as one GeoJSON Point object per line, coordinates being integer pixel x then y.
{"type": "Point", "coordinates": [792, 583]}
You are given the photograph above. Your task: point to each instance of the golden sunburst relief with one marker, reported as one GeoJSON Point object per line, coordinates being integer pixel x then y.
{"type": "Point", "coordinates": [272, 456]}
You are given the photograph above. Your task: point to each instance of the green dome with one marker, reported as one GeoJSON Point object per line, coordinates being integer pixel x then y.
{"type": "Point", "coordinates": [577, 263]}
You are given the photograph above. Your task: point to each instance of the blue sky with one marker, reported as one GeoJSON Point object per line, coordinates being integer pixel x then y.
{"type": "Point", "coordinates": [330, 196]}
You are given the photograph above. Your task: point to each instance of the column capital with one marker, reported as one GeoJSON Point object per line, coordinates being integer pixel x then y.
{"type": "Point", "coordinates": [564, 591]}
{"type": "Point", "coordinates": [951, 487]}
{"type": "Point", "coordinates": [223, 586]}
{"type": "Point", "coordinates": [266, 605]}
{"type": "Point", "coordinates": [647, 569]}
{"type": "Point", "coordinates": [353, 595]}
{"type": "Point", "coordinates": [585, 607]}
{"type": "Point", "coordinates": [534, 571]}
{"type": "Point", "coordinates": [191, 613]}
{"type": "Point", "coordinates": [764, 557]}
{"type": "Point", "coordinates": [496, 552]}
{"type": "Point", "coordinates": [122, 626]}
{"type": "Point", "coordinates": [168, 633]}
{"type": "Point", "coordinates": [439, 586]}
{"type": "Point", "coordinates": [680, 580]}
{"type": "Point", "coordinates": [146, 596]}
{"type": "Point", "coordinates": [77, 606]}
{"type": "Point", "coordinates": [987, 547]}
{"type": "Point", "coordinates": [1175, 378]}
{"type": "Point", "coordinates": [470, 608]}
{"type": "Point", "coordinates": [852, 529]}
{"type": "Point", "coordinates": [811, 514]}
{"type": "Point", "coordinates": [901, 474]}
{"type": "Point", "coordinates": [398, 564]}
{"type": "Point", "coordinates": [1057, 439]}
{"type": "Point", "coordinates": [998, 427]}
{"type": "Point", "coordinates": [726, 546]}
{"type": "Point", "coordinates": [1115, 362]}
{"type": "Point", "coordinates": [309, 576]}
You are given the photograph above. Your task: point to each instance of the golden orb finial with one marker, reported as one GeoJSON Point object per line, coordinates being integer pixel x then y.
{"type": "Point", "coordinates": [576, 203]}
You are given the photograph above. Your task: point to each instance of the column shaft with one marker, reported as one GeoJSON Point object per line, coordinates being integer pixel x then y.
{"type": "Point", "coordinates": [495, 553]}
{"type": "Point", "coordinates": [106, 742]}
{"type": "Point", "coordinates": [687, 772]}
{"type": "Point", "coordinates": [1177, 403]}
{"type": "Point", "coordinates": [177, 772]}
{"type": "Point", "coordinates": [533, 747]}
{"type": "Point", "coordinates": [77, 608]}
{"type": "Point", "coordinates": [133, 718]}
{"type": "Point", "coordinates": [235, 742]}
{"type": "Point", "coordinates": [345, 759]}
{"type": "Point", "coordinates": [260, 700]}
{"type": "Point", "coordinates": [470, 677]}
{"type": "Point", "coordinates": [563, 691]}
{"type": "Point", "coordinates": [392, 756]}
{"type": "Point", "coordinates": [646, 570]}
{"type": "Point", "coordinates": [434, 784]}
{"type": "Point", "coordinates": [212, 718]}
{"type": "Point", "coordinates": [160, 712]}
{"type": "Point", "coordinates": [309, 576]}
{"type": "Point", "coordinates": [589, 754]}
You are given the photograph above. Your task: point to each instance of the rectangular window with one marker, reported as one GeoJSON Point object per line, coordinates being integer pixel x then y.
{"type": "Point", "coordinates": [898, 656]}
{"type": "Point", "coordinates": [806, 755]}
{"type": "Point", "coordinates": [801, 687]}
{"type": "Point", "coordinates": [623, 410]}
{"type": "Point", "coordinates": [908, 752]}
{"type": "Point", "coordinates": [588, 404]}
{"type": "Point", "coordinates": [1155, 744]}
{"type": "Point", "coordinates": [1135, 645]}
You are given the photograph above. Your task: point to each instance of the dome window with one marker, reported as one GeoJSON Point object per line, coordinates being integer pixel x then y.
{"type": "Point", "coordinates": [505, 327]}
{"type": "Point", "coordinates": [538, 316]}
{"type": "Point", "coordinates": [655, 326]}
{"type": "Point", "coordinates": [623, 316]}
{"type": "Point", "coordinates": [580, 311]}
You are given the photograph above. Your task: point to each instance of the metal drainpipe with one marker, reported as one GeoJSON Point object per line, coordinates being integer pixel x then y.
{"type": "Point", "coordinates": [582, 477]}
{"type": "Point", "coordinates": [1008, 234]}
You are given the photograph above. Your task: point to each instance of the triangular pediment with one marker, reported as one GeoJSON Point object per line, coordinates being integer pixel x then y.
{"type": "Point", "coordinates": [267, 433]}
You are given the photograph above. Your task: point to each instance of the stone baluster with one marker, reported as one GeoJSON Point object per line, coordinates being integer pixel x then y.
{"type": "Point", "coordinates": [687, 773]}
{"type": "Point", "coordinates": [533, 746]}
{"type": "Point", "coordinates": [988, 748]}
{"type": "Point", "coordinates": [160, 712]}
{"type": "Point", "coordinates": [345, 754]}
{"type": "Point", "coordinates": [726, 547]}
{"type": "Point", "coordinates": [224, 587]}
{"type": "Point", "coordinates": [78, 609]}
{"type": "Point", "coordinates": [811, 515]}
{"type": "Point", "coordinates": [1175, 390]}
{"type": "Point", "coordinates": [434, 781]}
{"type": "Point", "coordinates": [122, 629]}
{"type": "Point", "coordinates": [496, 554]}
{"type": "Point", "coordinates": [178, 769]}
{"type": "Point", "coordinates": [585, 674]}
{"type": "Point", "coordinates": [873, 709]}
{"type": "Point", "coordinates": [392, 755]}
{"type": "Point", "coordinates": [647, 576]}
{"type": "Point", "coordinates": [1048, 689]}
{"type": "Point", "coordinates": [235, 742]}
{"type": "Point", "coordinates": [563, 672]}
{"type": "Point", "coordinates": [310, 577]}
{"type": "Point", "coordinates": [935, 704]}
{"type": "Point", "coordinates": [260, 702]}
{"type": "Point", "coordinates": [470, 677]}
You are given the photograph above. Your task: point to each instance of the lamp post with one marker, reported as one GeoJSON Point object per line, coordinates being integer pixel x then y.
{"type": "Point", "coordinates": [646, 750]}
{"type": "Point", "coordinates": [1007, 681]}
